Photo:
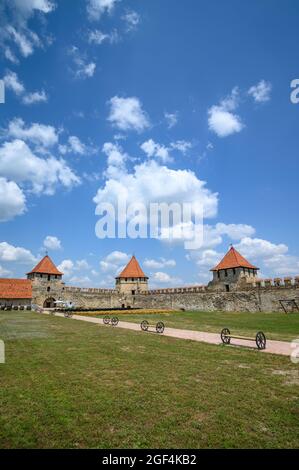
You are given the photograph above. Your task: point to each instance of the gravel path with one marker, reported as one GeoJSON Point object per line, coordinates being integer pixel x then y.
{"type": "Point", "coordinates": [274, 347]}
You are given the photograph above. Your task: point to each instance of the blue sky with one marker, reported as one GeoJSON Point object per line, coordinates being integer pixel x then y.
{"type": "Point", "coordinates": [168, 101]}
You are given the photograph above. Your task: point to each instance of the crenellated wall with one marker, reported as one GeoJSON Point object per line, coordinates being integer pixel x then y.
{"type": "Point", "coordinates": [251, 296]}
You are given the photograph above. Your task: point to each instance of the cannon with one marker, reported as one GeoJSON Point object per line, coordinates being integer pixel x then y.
{"type": "Point", "coordinates": [110, 321]}
{"type": "Point", "coordinates": [260, 338]}
{"type": "Point", "coordinates": [159, 327]}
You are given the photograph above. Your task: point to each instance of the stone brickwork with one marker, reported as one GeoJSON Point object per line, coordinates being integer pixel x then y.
{"type": "Point", "coordinates": [248, 296]}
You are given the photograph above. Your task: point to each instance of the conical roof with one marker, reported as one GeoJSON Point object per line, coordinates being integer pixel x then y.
{"type": "Point", "coordinates": [132, 269]}
{"type": "Point", "coordinates": [45, 266]}
{"type": "Point", "coordinates": [233, 259]}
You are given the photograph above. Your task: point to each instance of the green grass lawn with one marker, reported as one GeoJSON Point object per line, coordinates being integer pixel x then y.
{"type": "Point", "coordinates": [275, 325]}
{"type": "Point", "coordinates": [73, 384]}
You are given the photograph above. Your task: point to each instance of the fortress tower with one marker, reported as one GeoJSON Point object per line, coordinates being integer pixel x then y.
{"type": "Point", "coordinates": [46, 281]}
{"type": "Point", "coordinates": [231, 271]}
{"type": "Point", "coordinates": [132, 279]}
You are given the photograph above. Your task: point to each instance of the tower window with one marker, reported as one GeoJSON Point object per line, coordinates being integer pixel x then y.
{"type": "Point", "coordinates": [225, 272]}
{"type": "Point", "coordinates": [218, 273]}
{"type": "Point", "coordinates": [234, 271]}
{"type": "Point", "coordinates": [49, 277]}
{"type": "Point", "coordinates": [227, 287]}
{"type": "Point", "coordinates": [48, 289]}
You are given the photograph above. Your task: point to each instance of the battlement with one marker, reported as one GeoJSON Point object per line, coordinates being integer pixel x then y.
{"type": "Point", "coordinates": [89, 290]}
{"type": "Point", "coordinates": [178, 290]}
{"type": "Point", "coordinates": [270, 283]}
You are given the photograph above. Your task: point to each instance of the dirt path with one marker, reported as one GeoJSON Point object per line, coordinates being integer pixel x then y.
{"type": "Point", "coordinates": [274, 347]}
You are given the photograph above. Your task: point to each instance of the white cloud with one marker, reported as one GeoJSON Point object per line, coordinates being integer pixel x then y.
{"type": "Point", "coordinates": [181, 145]}
{"type": "Point", "coordinates": [151, 182]}
{"type": "Point", "coordinates": [36, 133]}
{"type": "Point", "coordinates": [164, 278]}
{"type": "Point", "coordinates": [4, 272]}
{"type": "Point", "coordinates": [114, 262]}
{"type": "Point", "coordinates": [132, 20]}
{"type": "Point", "coordinates": [76, 145]}
{"type": "Point", "coordinates": [13, 83]}
{"type": "Point", "coordinates": [83, 68]}
{"type": "Point", "coordinates": [259, 249]}
{"type": "Point", "coordinates": [171, 119]}
{"type": "Point", "coordinates": [156, 150]}
{"type": "Point", "coordinates": [261, 92]}
{"type": "Point", "coordinates": [15, 31]}
{"type": "Point", "coordinates": [66, 267]}
{"type": "Point", "coordinates": [127, 114]}
{"type": "Point", "coordinates": [153, 149]}
{"type": "Point", "coordinates": [20, 164]}
{"type": "Point", "coordinates": [12, 200]}
{"type": "Point", "coordinates": [35, 97]}
{"type": "Point", "coordinates": [10, 253]}
{"type": "Point", "coordinates": [95, 8]}
{"type": "Point", "coordinates": [81, 280]}
{"type": "Point", "coordinates": [98, 37]}
{"type": "Point", "coordinates": [52, 243]}
{"type": "Point", "coordinates": [221, 118]}
{"type": "Point", "coordinates": [235, 231]}
{"type": "Point", "coordinates": [159, 264]}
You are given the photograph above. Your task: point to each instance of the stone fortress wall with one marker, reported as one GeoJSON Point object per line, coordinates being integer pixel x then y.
{"type": "Point", "coordinates": [249, 295]}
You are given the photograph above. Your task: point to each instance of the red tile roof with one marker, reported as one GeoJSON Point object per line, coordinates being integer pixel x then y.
{"type": "Point", "coordinates": [132, 269]}
{"type": "Point", "coordinates": [45, 266]}
{"type": "Point", "coordinates": [233, 259]}
{"type": "Point", "coordinates": [15, 289]}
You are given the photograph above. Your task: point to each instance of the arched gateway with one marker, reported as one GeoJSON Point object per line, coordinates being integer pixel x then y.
{"type": "Point", "coordinates": [49, 303]}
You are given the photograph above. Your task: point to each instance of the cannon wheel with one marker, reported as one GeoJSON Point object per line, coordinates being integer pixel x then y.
{"type": "Point", "coordinates": [225, 336]}
{"type": "Point", "coordinates": [144, 325]}
{"type": "Point", "coordinates": [66, 315]}
{"type": "Point", "coordinates": [106, 320]}
{"type": "Point", "coordinates": [260, 340]}
{"type": "Point", "coordinates": [114, 321]}
{"type": "Point", "coordinates": [160, 327]}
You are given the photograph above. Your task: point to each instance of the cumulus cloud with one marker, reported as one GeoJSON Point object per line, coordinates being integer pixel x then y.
{"type": "Point", "coordinates": [35, 133]}
{"type": "Point", "coordinates": [13, 83]}
{"type": "Point", "coordinates": [159, 264]}
{"type": "Point", "coordinates": [152, 183]}
{"type": "Point", "coordinates": [261, 92]}
{"type": "Point", "coordinates": [153, 149]}
{"type": "Point", "coordinates": [52, 243]}
{"type": "Point", "coordinates": [96, 8]}
{"type": "Point", "coordinates": [35, 97]}
{"type": "Point", "coordinates": [12, 200]}
{"type": "Point", "coordinates": [164, 278]}
{"type": "Point", "coordinates": [132, 20]}
{"type": "Point", "coordinates": [171, 119]}
{"type": "Point", "coordinates": [127, 114]}
{"type": "Point", "coordinates": [97, 37]}
{"type": "Point", "coordinates": [114, 262]}
{"type": "Point", "coordinates": [162, 152]}
{"type": "Point", "coordinates": [16, 36]}
{"type": "Point", "coordinates": [11, 253]}
{"type": "Point", "coordinates": [82, 67]}
{"type": "Point", "coordinates": [66, 267]}
{"type": "Point", "coordinates": [4, 272]}
{"type": "Point", "coordinates": [20, 164]}
{"type": "Point", "coordinates": [222, 119]}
